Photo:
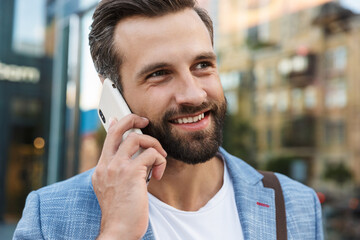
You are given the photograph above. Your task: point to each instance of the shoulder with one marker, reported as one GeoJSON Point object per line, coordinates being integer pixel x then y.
{"type": "Point", "coordinates": [69, 209]}
{"type": "Point", "coordinates": [298, 197]}
{"type": "Point", "coordinates": [67, 188]}
{"type": "Point", "coordinates": [73, 198]}
{"type": "Point", "coordinates": [294, 188]}
{"type": "Point", "coordinates": [303, 209]}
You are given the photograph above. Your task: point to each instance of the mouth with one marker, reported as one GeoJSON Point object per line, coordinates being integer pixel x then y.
{"type": "Point", "coordinates": [190, 119]}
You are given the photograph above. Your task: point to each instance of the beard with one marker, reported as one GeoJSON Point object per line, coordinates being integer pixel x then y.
{"type": "Point", "coordinates": [192, 147]}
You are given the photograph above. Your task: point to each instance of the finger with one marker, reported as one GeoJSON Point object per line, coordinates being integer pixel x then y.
{"type": "Point", "coordinates": [134, 142]}
{"type": "Point", "coordinates": [150, 157]}
{"type": "Point", "coordinates": [117, 130]}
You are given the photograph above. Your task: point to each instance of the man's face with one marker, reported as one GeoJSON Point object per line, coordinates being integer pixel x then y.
{"type": "Point", "coordinates": [169, 75]}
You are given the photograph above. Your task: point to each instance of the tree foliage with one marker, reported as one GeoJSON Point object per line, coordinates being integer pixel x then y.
{"type": "Point", "coordinates": [337, 172]}
{"type": "Point", "coordinates": [237, 138]}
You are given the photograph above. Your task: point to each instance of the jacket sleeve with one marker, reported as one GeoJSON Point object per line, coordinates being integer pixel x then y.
{"type": "Point", "coordinates": [319, 225]}
{"type": "Point", "coordinates": [29, 226]}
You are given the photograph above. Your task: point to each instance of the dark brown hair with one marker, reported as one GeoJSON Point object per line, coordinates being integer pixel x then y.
{"type": "Point", "coordinates": [108, 13]}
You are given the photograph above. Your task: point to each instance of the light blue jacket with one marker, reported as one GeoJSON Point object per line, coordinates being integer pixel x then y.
{"type": "Point", "coordinates": [70, 210]}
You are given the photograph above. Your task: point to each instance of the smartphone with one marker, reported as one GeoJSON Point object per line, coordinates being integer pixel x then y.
{"type": "Point", "coordinates": [113, 105]}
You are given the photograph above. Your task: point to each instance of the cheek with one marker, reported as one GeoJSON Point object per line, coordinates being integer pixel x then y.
{"type": "Point", "coordinates": [136, 101]}
{"type": "Point", "coordinates": [214, 89]}
{"type": "Point", "coordinates": [151, 104]}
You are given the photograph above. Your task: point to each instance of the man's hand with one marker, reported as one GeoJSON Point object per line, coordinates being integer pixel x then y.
{"type": "Point", "coordinates": [119, 181]}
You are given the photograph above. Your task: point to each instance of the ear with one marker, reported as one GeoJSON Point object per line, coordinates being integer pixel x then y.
{"type": "Point", "coordinates": [102, 78]}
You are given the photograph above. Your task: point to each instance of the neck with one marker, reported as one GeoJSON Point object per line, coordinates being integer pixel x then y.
{"type": "Point", "coordinates": [188, 187]}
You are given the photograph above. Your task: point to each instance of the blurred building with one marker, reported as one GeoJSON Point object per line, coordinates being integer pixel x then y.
{"type": "Point", "coordinates": [44, 62]}
{"type": "Point", "coordinates": [294, 68]}
{"type": "Point", "coordinates": [26, 58]}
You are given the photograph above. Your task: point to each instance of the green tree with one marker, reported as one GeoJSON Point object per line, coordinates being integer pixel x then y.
{"type": "Point", "coordinates": [237, 134]}
{"type": "Point", "coordinates": [280, 164]}
{"type": "Point", "coordinates": [337, 172]}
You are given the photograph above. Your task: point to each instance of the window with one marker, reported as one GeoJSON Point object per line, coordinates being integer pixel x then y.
{"type": "Point", "coordinates": [336, 94]}
{"type": "Point", "coordinates": [340, 58]}
{"type": "Point", "coordinates": [29, 27]}
{"type": "Point", "coordinates": [232, 100]}
{"type": "Point", "coordinates": [230, 80]}
{"type": "Point", "coordinates": [264, 32]}
{"type": "Point", "coordinates": [84, 4]}
{"type": "Point", "coordinates": [90, 84]}
{"type": "Point", "coordinates": [283, 101]}
{"type": "Point", "coordinates": [269, 77]}
{"type": "Point", "coordinates": [269, 102]}
{"type": "Point", "coordinates": [336, 59]}
{"type": "Point", "coordinates": [310, 97]}
{"type": "Point", "coordinates": [335, 132]}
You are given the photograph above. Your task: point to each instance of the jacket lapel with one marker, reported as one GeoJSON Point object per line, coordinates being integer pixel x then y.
{"type": "Point", "coordinates": [255, 204]}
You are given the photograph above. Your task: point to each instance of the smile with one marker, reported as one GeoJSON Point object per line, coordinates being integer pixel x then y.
{"type": "Point", "coordinates": [194, 119]}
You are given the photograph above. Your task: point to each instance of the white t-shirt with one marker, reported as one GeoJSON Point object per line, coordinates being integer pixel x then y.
{"type": "Point", "coordinates": [218, 219]}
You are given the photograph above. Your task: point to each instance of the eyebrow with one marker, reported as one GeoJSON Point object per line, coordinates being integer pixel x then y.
{"type": "Point", "coordinates": [206, 56]}
{"type": "Point", "coordinates": [159, 65]}
{"type": "Point", "coordinates": [151, 67]}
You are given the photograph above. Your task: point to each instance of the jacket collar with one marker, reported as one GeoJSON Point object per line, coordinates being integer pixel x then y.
{"type": "Point", "coordinates": [255, 204]}
{"type": "Point", "coordinates": [239, 170]}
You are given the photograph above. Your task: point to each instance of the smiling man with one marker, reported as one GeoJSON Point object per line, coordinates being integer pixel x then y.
{"type": "Point", "coordinates": [160, 55]}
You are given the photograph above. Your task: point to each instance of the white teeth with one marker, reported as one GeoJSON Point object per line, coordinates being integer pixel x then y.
{"type": "Point", "coordinates": [190, 119]}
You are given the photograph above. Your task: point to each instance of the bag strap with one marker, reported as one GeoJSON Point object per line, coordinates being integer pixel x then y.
{"type": "Point", "coordinates": [271, 181]}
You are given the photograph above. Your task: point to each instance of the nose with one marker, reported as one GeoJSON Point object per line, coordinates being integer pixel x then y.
{"type": "Point", "coordinates": [190, 91]}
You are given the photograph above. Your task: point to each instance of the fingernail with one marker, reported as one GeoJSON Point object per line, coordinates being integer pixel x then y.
{"type": "Point", "coordinates": [164, 153]}
{"type": "Point", "coordinates": [145, 118]}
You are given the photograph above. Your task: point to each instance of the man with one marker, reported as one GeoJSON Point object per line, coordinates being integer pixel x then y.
{"type": "Point", "coordinates": [160, 54]}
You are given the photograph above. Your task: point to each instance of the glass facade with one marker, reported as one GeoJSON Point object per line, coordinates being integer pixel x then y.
{"type": "Point", "coordinates": [28, 37]}
{"type": "Point", "coordinates": [288, 69]}
{"type": "Point", "coordinates": [25, 80]}
{"type": "Point", "coordinates": [43, 61]}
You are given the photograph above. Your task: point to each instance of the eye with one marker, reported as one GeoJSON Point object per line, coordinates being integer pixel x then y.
{"type": "Point", "coordinates": [203, 65]}
{"type": "Point", "coordinates": [159, 73]}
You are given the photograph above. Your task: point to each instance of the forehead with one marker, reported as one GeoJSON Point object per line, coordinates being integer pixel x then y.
{"type": "Point", "coordinates": [142, 37]}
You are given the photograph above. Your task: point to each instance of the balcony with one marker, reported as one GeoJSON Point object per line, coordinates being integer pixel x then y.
{"type": "Point", "coordinates": [299, 132]}
{"type": "Point", "coordinates": [298, 69]}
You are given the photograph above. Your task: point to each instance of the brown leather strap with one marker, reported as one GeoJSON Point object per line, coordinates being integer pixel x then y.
{"type": "Point", "coordinates": [271, 181]}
